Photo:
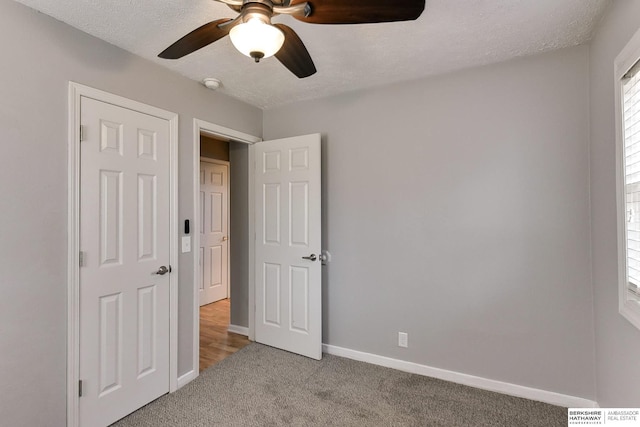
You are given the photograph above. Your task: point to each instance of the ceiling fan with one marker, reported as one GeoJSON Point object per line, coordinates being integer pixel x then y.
{"type": "Point", "coordinates": [253, 34]}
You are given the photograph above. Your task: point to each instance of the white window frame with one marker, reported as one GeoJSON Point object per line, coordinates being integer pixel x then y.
{"type": "Point", "coordinates": [628, 304]}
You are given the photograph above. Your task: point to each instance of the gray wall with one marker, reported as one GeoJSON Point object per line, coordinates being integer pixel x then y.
{"type": "Point", "coordinates": [456, 209]}
{"type": "Point", "coordinates": [239, 195]}
{"type": "Point", "coordinates": [617, 341]}
{"type": "Point", "coordinates": [39, 57]}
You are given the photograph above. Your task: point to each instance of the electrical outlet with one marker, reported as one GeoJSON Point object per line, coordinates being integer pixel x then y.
{"type": "Point", "coordinates": [403, 339]}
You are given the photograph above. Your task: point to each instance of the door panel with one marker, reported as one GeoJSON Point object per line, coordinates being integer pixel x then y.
{"type": "Point", "coordinates": [299, 295]}
{"type": "Point", "coordinates": [271, 294]}
{"type": "Point", "coordinates": [288, 212]}
{"type": "Point", "coordinates": [110, 217]}
{"type": "Point", "coordinates": [271, 216]}
{"type": "Point", "coordinates": [146, 217]}
{"type": "Point", "coordinates": [110, 343]}
{"type": "Point", "coordinates": [125, 238]}
{"type": "Point", "coordinates": [216, 265]}
{"type": "Point", "coordinates": [147, 349]}
{"type": "Point", "coordinates": [214, 234]}
{"type": "Point", "coordinates": [299, 215]}
{"type": "Point", "coordinates": [216, 213]}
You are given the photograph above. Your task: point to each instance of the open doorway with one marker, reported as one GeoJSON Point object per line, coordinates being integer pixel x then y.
{"type": "Point", "coordinates": [237, 317]}
{"type": "Point", "coordinates": [214, 220]}
{"type": "Point", "coordinates": [216, 282]}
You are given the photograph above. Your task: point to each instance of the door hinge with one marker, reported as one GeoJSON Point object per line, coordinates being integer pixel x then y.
{"type": "Point", "coordinates": [81, 259]}
{"type": "Point", "coordinates": [80, 388]}
{"type": "Point", "coordinates": [81, 133]}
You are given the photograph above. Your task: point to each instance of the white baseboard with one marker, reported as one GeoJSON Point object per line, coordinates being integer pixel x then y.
{"type": "Point", "coordinates": [185, 379]}
{"type": "Point", "coordinates": [464, 379]}
{"type": "Point", "coordinates": [241, 330]}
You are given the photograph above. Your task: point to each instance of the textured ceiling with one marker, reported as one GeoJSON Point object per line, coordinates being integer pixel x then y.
{"type": "Point", "coordinates": [450, 35]}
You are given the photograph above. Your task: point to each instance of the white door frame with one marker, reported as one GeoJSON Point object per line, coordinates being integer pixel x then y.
{"type": "Point", "coordinates": [228, 165]}
{"type": "Point", "coordinates": [76, 91]}
{"type": "Point", "coordinates": [214, 130]}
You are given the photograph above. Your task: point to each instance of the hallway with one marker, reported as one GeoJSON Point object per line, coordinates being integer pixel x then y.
{"type": "Point", "coordinates": [216, 343]}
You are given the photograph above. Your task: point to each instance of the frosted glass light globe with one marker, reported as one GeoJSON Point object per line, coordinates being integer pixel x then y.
{"type": "Point", "coordinates": [257, 39]}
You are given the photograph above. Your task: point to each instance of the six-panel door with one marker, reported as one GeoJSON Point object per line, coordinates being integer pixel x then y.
{"type": "Point", "coordinates": [124, 236]}
{"type": "Point", "coordinates": [288, 245]}
{"type": "Point", "coordinates": [214, 232]}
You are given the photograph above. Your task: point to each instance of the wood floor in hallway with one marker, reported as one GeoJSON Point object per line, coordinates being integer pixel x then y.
{"type": "Point", "coordinates": [216, 342]}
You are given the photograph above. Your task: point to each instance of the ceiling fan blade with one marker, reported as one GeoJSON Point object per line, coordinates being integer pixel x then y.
{"type": "Point", "coordinates": [197, 39]}
{"type": "Point", "coordinates": [361, 11]}
{"type": "Point", "coordinates": [294, 55]}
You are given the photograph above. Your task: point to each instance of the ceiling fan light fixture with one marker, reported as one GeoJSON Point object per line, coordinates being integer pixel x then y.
{"type": "Point", "coordinates": [257, 39]}
{"type": "Point", "coordinates": [253, 34]}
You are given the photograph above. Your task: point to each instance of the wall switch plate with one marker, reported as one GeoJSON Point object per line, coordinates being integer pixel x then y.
{"type": "Point", "coordinates": [186, 244]}
{"type": "Point", "coordinates": [403, 339]}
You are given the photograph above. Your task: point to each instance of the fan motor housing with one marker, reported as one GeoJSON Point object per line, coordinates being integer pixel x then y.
{"type": "Point", "coordinates": [267, 3]}
{"type": "Point", "coordinates": [262, 10]}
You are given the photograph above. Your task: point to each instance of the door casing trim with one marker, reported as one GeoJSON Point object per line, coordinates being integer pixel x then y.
{"type": "Point", "coordinates": [212, 129]}
{"type": "Point", "coordinates": [76, 92]}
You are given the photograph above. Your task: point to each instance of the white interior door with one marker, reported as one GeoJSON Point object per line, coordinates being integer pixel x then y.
{"type": "Point", "coordinates": [288, 245]}
{"type": "Point", "coordinates": [214, 232]}
{"type": "Point", "coordinates": [124, 238]}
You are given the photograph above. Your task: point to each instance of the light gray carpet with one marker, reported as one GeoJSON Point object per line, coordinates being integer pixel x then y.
{"type": "Point", "coordinates": [262, 386]}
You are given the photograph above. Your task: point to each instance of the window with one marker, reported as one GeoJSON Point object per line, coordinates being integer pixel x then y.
{"type": "Point", "coordinates": [627, 72]}
{"type": "Point", "coordinates": [631, 130]}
